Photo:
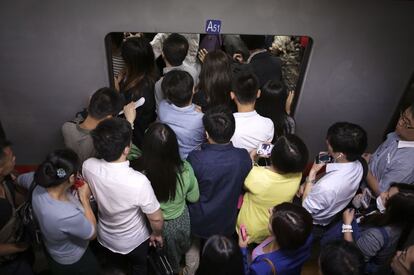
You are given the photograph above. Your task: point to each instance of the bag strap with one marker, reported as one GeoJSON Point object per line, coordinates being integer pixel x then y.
{"type": "Point", "coordinates": [384, 234]}
{"type": "Point", "coordinates": [272, 266]}
{"type": "Point", "coordinates": [32, 187]}
{"type": "Point", "coordinates": [8, 195]}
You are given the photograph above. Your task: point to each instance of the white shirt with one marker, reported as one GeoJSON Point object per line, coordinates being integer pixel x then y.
{"type": "Point", "coordinates": [251, 130]}
{"type": "Point", "coordinates": [332, 193]}
{"type": "Point", "coordinates": [123, 196]}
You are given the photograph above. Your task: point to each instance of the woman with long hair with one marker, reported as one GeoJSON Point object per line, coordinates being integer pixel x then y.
{"type": "Point", "coordinates": [174, 183]}
{"type": "Point", "coordinates": [66, 221]}
{"type": "Point", "coordinates": [138, 80]}
{"type": "Point", "coordinates": [215, 81]}
{"type": "Point", "coordinates": [272, 104]}
{"type": "Point", "coordinates": [289, 245]}
{"type": "Point", "coordinates": [378, 235]}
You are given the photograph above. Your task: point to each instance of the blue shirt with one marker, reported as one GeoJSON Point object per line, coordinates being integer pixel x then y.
{"type": "Point", "coordinates": [286, 262]}
{"type": "Point", "coordinates": [187, 124]}
{"type": "Point", "coordinates": [220, 170]}
{"type": "Point", "coordinates": [393, 161]}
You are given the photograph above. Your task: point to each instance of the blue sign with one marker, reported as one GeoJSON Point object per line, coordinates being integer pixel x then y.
{"type": "Point", "coordinates": [213, 26]}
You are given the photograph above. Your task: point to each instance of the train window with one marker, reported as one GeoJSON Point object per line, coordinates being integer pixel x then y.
{"type": "Point", "coordinates": [292, 53]}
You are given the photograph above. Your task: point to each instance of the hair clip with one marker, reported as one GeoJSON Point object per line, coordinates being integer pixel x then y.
{"type": "Point", "coordinates": [61, 173]}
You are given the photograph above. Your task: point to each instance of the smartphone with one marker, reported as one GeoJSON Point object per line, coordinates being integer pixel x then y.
{"type": "Point", "coordinates": [366, 198]}
{"type": "Point", "coordinates": [264, 149]}
{"type": "Point", "coordinates": [323, 157]}
{"type": "Point", "coordinates": [243, 232]}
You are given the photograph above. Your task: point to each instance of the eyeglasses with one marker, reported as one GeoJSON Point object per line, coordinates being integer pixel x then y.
{"type": "Point", "coordinates": [405, 121]}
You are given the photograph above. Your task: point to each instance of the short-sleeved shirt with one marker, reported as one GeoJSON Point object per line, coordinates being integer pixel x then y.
{"type": "Point", "coordinates": [78, 139]}
{"type": "Point", "coordinates": [265, 189]}
{"type": "Point", "coordinates": [186, 122]}
{"type": "Point", "coordinates": [187, 190]}
{"type": "Point", "coordinates": [65, 229]}
{"type": "Point", "coordinates": [393, 162]}
{"type": "Point", "coordinates": [332, 193]}
{"type": "Point", "coordinates": [251, 130]}
{"type": "Point", "coordinates": [220, 170]}
{"type": "Point", "coordinates": [123, 196]}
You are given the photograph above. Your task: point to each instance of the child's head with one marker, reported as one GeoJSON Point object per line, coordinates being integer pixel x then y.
{"type": "Point", "coordinates": [291, 225]}
{"type": "Point", "coordinates": [175, 49]}
{"type": "Point", "coordinates": [289, 154]}
{"type": "Point", "coordinates": [219, 124]}
{"type": "Point", "coordinates": [245, 88]}
{"type": "Point", "coordinates": [177, 87]}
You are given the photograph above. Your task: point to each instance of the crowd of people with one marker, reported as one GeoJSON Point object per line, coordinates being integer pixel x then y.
{"type": "Point", "coordinates": [204, 165]}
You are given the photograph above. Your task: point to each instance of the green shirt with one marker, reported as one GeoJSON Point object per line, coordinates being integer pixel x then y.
{"type": "Point", "coordinates": [187, 189]}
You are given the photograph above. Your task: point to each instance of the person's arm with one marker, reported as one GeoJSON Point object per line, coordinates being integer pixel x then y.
{"type": "Point", "coordinates": [12, 248]}
{"type": "Point", "coordinates": [156, 221]}
{"type": "Point", "coordinates": [373, 183]}
{"type": "Point", "coordinates": [311, 178]}
{"type": "Point", "coordinates": [347, 230]}
{"type": "Point", "coordinates": [243, 247]}
{"type": "Point", "coordinates": [193, 193]}
{"type": "Point", "coordinates": [84, 194]}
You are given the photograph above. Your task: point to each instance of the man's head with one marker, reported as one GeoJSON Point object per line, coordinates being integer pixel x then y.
{"type": "Point", "coordinates": [219, 124]}
{"type": "Point", "coordinates": [178, 87]}
{"type": "Point", "coordinates": [347, 139]}
{"type": "Point", "coordinates": [405, 124]}
{"type": "Point", "coordinates": [253, 42]}
{"type": "Point", "coordinates": [289, 155]}
{"type": "Point", "coordinates": [7, 158]}
{"type": "Point", "coordinates": [112, 138]}
{"type": "Point", "coordinates": [105, 103]}
{"type": "Point", "coordinates": [245, 88]}
{"type": "Point", "coordinates": [175, 49]}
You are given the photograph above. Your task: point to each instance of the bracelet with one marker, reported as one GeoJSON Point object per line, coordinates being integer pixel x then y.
{"type": "Point", "coordinates": [346, 226]}
{"type": "Point", "coordinates": [347, 230]}
{"type": "Point", "coordinates": [132, 126]}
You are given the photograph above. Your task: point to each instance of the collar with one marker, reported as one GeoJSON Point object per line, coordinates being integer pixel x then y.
{"type": "Point", "coordinates": [124, 164]}
{"type": "Point", "coordinates": [337, 166]}
{"type": "Point", "coordinates": [218, 147]}
{"type": "Point", "coordinates": [80, 129]}
{"type": "Point", "coordinates": [245, 114]}
{"type": "Point", "coordinates": [169, 69]}
{"type": "Point", "coordinates": [254, 54]}
{"type": "Point", "coordinates": [190, 107]}
{"type": "Point", "coordinates": [405, 144]}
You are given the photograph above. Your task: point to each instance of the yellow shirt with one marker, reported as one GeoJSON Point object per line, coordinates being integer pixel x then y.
{"type": "Point", "coordinates": [264, 189]}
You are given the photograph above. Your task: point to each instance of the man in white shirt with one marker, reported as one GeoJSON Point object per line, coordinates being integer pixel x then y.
{"type": "Point", "coordinates": [330, 194]}
{"type": "Point", "coordinates": [125, 197]}
{"type": "Point", "coordinates": [251, 128]}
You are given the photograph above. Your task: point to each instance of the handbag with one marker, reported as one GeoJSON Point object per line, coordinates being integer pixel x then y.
{"type": "Point", "coordinates": [272, 266]}
{"type": "Point", "coordinates": [159, 262]}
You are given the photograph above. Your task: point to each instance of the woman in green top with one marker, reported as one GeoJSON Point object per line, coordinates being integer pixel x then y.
{"type": "Point", "coordinates": [174, 183]}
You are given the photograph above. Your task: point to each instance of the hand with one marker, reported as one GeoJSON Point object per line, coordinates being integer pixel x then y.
{"type": "Point", "coordinates": [366, 156]}
{"type": "Point", "coordinates": [84, 192]}
{"type": "Point", "coordinates": [301, 189]}
{"type": "Point", "coordinates": [202, 54]}
{"type": "Point", "coordinates": [348, 216]}
{"type": "Point", "coordinates": [289, 100]}
{"type": "Point", "coordinates": [156, 240]}
{"type": "Point", "coordinates": [316, 167]}
{"type": "Point", "coordinates": [253, 155]}
{"type": "Point", "coordinates": [130, 112]}
{"type": "Point", "coordinates": [244, 243]}
{"type": "Point", "coordinates": [20, 247]}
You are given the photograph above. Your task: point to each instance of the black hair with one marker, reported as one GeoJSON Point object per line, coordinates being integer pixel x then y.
{"type": "Point", "coordinates": [216, 78]}
{"type": "Point", "coordinates": [253, 42]}
{"type": "Point", "coordinates": [291, 225]}
{"type": "Point", "coordinates": [57, 168]}
{"type": "Point", "coordinates": [341, 258]}
{"type": "Point", "coordinates": [110, 138]}
{"type": "Point", "coordinates": [271, 104]}
{"type": "Point", "coordinates": [116, 39]}
{"type": "Point", "coordinates": [289, 155]}
{"type": "Point", "coordinates": [160, 149]}
{"type": "Point", "coordinates": [236, 46]}
{"type": "Point", "coordinates": [104, 102]}
{"type": "Point", "coordinates": [178, 86]}
{"type": "Point", "coordinates": [219, 123]}
{"type": "Point", "coordinates": [398, 211]}
{"type": "Point", "coordinates": [4, 143]}
{"type": "Point", "coordinates": [220, 256]}
{"type": "Point", "coordinates": [175, 48]}
{"type": "Point", "coordinates": [139, 59]}
{"type": "Point", "coordinates": [245, 87]}
{"type": "Point", "coordinates": [347, 138]}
